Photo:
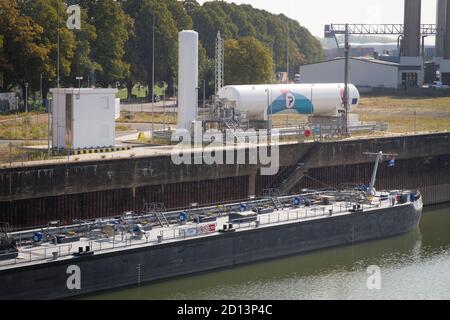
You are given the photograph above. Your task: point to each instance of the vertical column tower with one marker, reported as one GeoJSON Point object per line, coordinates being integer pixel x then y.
{"type": "Point", "coordinates": [411, 63]}
{"type": "Point", "coordinates": [187, 78]}
{"type": "Point", "coordinates": [441, 15]}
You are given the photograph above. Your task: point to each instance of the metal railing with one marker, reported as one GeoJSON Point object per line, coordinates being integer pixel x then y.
{"type": "Point", "coordinates": [104, 243]}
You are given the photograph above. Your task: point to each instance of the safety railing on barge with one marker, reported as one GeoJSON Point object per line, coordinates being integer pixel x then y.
{"type": "Point", "coordinates": [175, 233]}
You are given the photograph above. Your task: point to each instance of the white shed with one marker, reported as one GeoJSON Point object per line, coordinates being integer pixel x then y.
{"type": "Point", "coordinates": [363, 72]}
{"type": "Point", "coordinates": [83, 118]}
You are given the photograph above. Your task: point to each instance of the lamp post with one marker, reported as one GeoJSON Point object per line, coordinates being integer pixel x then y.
{"type": "Point", "coordinates": [42, 98]}
{"type": "Point", "coordinates": [164, 104]}
{"type": "Point", "coordinates": [204, 93]}
{"type": "Point", "coordinates": [26, 98]}
{"type": "Point", "coordinates": [79, 82]}
{"type": "Point", "coordinates": [153, 75]}
{"type": "Point", "coordinates": [79, 86]}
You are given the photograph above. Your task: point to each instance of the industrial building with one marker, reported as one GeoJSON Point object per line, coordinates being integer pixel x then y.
{"type": "Point", "coordinates": [83, 118]}
{"type": "Point", "coordinates": [363, 72]}
{"type": "Point", "coordinates": [442, 59]}
{"type": "Point", "coordinates": [414, 57]}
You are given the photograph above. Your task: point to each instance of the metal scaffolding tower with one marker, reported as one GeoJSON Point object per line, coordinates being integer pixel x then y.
{"type": "Point", "coordinates": [219, 62]}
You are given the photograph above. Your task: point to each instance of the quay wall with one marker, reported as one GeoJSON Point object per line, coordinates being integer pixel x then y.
{"type": "Point", "coordinates": [35, 194]}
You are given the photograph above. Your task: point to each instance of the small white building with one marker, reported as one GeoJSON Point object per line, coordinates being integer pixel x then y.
{"type": "Point", "coordinates": [363, 72]}
{"type": "Point", "coordinates": [83, 118]}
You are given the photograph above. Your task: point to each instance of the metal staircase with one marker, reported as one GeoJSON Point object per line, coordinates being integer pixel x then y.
{"type": "Point", "coordinates": [288, 178]}
{"type": "Point", "coordinates": [234, 126]}
{"type": "Point", "coordinates": [273, 195]}
{"type": "Point", "coordinates": [158, 210]}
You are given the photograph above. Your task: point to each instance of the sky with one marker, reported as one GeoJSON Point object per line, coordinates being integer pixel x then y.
{"type": "Point", "coordinates": [314, 14]}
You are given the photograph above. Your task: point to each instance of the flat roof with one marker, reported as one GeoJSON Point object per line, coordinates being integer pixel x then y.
{"type": "Point", "coordinates": [359, 59]}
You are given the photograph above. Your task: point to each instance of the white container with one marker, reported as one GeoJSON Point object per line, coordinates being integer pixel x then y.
{"type": "Point", "coordinates": [187, 78]}
{"type": "Point", "coordinates": [259, 101]}
{"type": "Point", "coordinates": [83, 118]}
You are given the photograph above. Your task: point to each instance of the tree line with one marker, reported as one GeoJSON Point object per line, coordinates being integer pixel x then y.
{"type": "Point", "coordinates": [115, 42]}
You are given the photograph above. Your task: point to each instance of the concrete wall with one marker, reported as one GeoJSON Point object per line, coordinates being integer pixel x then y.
{"type": "Point", "coordinates": [361, 73]}
{"type": "Point", "coordinates": [34, 195]}
{"type": "Point", "coordinates": [111, 270]}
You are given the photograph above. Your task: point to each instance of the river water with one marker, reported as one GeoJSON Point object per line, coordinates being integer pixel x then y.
{"type": "Point", "coordinates": [411, 266]}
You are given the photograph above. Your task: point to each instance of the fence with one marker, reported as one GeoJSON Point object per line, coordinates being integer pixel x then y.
{"type": "Point", "coordinates": [125, 240]}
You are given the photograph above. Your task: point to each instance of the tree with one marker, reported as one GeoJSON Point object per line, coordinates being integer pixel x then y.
{"type": "Point", "coordinates": [166, 35]}
{"type": "Point", "coordinates": [236, 21]}
{"type": "Point", "coordinates": [51, 16]}
{"type": "Point", "coordinates": [23, 55]}
{"type": "Point", "coordinates": [179, 14]}
{"type": "Point", "coordinates": [83, 63]}
{"type": "Point", "coordinates": [247, 61]}
{"type": "Point", "coordinates": [108, 49]}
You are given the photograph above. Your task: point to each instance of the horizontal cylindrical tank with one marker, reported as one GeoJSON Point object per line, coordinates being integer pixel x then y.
{"type": "Point", "coordinates": [187, 78]}
{"type": "Point", "coordinates": [259, 101]}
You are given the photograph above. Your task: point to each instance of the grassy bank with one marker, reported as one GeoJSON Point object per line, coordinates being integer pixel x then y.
{"type": "Point", "coordinates": [406, 114]}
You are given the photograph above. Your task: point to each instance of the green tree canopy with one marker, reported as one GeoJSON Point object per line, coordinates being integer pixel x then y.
{"type": "Point", "coordinates": [108, 49]}
{"type": "Point", "coordinates": [23, 53]}
{"type": "Point", "coordinates": [248, 61]}
{"type": "Point", "coordinates": [147, 13]}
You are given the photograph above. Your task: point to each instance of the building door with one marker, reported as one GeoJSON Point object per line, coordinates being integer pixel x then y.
{"type": "Point", "coordinates": [69, 121]}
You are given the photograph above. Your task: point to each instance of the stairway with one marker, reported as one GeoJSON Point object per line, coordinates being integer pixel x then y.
{"type": "Point", "coordinates": [234, 126]}
{"type": "Point", "coordinates": [157, 209]}
{"type": "Point", "coordinates": [299, 171]}
{"type": "Point", "coordinates": [277, 203]}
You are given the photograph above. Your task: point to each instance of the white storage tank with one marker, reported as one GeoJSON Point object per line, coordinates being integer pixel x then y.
{"type": "Point", "coordinates": [259, 101]}
{"type": "Point", "coordinates": [187, 78]}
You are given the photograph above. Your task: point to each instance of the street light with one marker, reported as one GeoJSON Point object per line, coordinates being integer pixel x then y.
{"type": "Point", "coordinates": [204, 93]}
{"type": "Point", "coordinates": [42, 98]}
{"type": "Point", "coordinates": [79, 86]}
{"type": "Point", "coordinates": [153, 75]}
{"type": "Point", "coordinates": [26, 98]}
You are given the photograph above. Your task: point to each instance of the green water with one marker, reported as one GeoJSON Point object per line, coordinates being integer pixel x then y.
{"type": "Point", "coordinates": [413, 266]}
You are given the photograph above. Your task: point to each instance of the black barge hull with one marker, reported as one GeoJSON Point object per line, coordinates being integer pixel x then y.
{"type": "Point", "coordinates": [118, 269]}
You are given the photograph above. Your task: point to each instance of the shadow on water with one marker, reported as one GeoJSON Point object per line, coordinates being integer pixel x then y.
{"type": "Point", "coordinates": [333, 273]}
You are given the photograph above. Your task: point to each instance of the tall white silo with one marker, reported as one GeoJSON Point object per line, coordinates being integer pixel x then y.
{"type": "Point", "coordinates": [187, 78]}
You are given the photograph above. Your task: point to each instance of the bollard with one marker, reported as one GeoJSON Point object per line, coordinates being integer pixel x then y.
{"type": "Point", "coordinates": [55, 255]}
{"type": "Point", "coordinates": [159, 238]}
{"type": "Point", "coordinates": [257, 224]}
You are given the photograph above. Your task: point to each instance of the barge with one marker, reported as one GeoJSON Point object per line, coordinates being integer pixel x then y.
{"type": "Point", "coordinates": [89, 256]}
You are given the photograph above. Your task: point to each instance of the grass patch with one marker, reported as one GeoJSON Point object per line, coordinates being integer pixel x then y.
{"type": "Point", "coordinates": [122, 127]}
{"type": "Point", "coordinates": [392, 104]}
{"type": "Point", "coordinates": [31, 127]}
{"type": "Point", "coordinates": [407, 114]}
{"type": "Point", "coordinates": [144, 117]}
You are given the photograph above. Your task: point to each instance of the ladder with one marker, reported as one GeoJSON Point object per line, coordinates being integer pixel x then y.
{"type": "Point", "coordinates": [157, 209]}
{"type": "Point", "coordinates": [273, 195]}
{"type": "Point", "coordinates": [234, 125]}
{"type": "Point", "coordinates": [277, 203]}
